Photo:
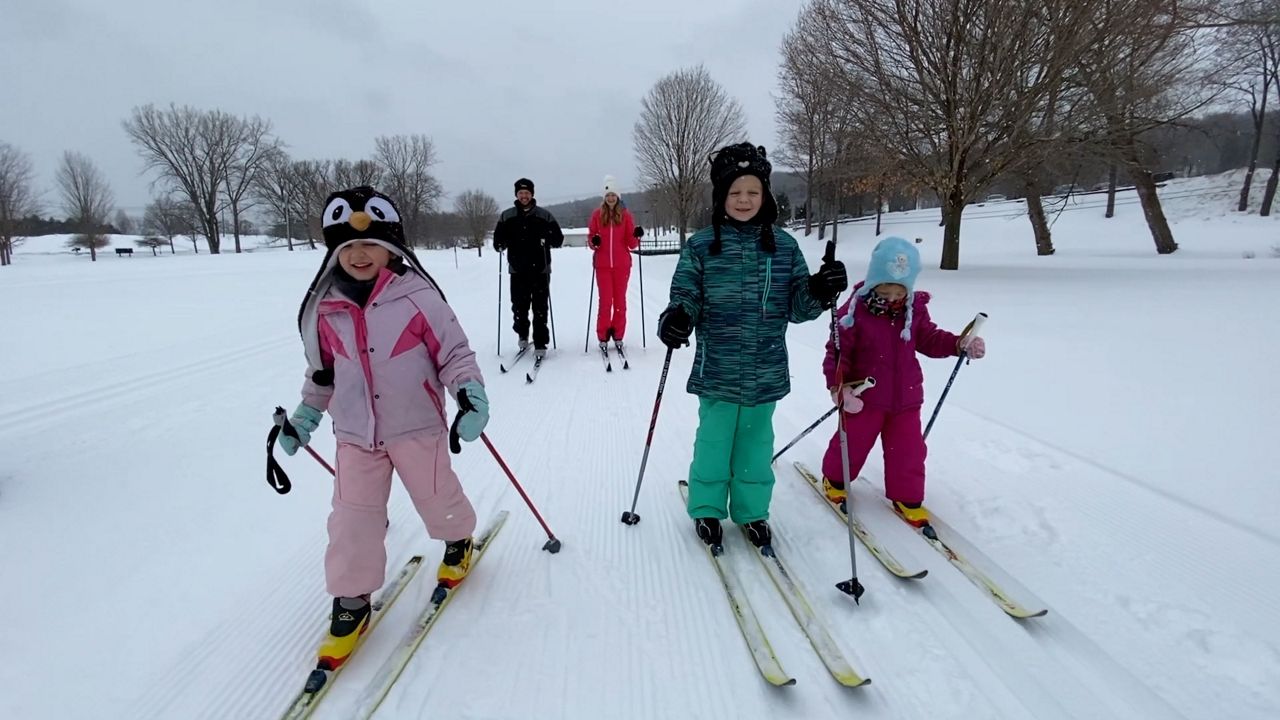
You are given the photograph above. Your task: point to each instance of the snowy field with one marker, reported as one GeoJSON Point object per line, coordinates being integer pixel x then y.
{"type": "Point", "coordinates": [1115, 453]}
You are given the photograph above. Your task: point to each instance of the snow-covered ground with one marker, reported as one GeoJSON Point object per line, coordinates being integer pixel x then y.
{"type": "Point", "coordinates": [1115, 453]}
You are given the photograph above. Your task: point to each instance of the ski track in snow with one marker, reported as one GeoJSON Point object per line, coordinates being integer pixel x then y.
{"type": "Point", "coordinates": [626, 622]}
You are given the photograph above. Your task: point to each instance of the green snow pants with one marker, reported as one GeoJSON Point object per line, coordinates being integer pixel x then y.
{"type": "Point", "coordinates": [732, 473]}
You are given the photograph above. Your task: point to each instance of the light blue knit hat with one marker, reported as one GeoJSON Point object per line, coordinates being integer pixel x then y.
{"type": "Point", "coordinates": [894, 260]}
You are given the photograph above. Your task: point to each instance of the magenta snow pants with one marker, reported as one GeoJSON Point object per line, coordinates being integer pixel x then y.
{"type": "Point", "coordinates": [356, 560]}
{"type": "Point", "coordinates": [903, 445]}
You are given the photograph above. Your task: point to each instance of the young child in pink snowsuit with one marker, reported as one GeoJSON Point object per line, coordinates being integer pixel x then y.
{"type": "Point", "coordinates": [882, 327]}
{"type": "Point", "coordinates": [382, 347]}
{"type": "Point", "coordinates": [612, 234]}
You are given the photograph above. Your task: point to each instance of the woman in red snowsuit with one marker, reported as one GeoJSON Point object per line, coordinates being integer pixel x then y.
{"type": "Point", "coordinates": [612, 235]}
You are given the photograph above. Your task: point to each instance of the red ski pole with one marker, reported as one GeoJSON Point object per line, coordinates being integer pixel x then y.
{"type": "Point", "coordinates": [553, 544]}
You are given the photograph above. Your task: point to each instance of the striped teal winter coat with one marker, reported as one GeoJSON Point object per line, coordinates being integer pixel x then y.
{"type": "Point", "coordinates": [741, 301]}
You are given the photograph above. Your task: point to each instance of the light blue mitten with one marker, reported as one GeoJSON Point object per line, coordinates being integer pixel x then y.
{"type": "Point", "coordinates": [305, 420]}
{"type": "Point", "coordinates": [472, 422]}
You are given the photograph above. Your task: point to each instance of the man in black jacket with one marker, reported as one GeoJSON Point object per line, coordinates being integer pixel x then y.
{"type": "Point", "coordinates": [527, 233]}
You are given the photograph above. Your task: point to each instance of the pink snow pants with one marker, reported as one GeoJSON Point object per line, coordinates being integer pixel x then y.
{"type": "Point", "coordinates": [356, 560]}
{"type": "Point", "coordinates": [612, 284]}
{"type": "Point", "coordinates": [904, 451]}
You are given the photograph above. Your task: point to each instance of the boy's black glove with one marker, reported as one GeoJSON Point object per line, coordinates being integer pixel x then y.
{"type": "Point", "coordinates": [674, 327]}
{"type": "Point", "coordinates": [830, 280]}
{"type": "Point", "coordinates": [595, 241]}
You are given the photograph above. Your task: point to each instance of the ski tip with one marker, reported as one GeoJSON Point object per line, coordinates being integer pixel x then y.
{"type": "Point", "coordinates": [502, 368]}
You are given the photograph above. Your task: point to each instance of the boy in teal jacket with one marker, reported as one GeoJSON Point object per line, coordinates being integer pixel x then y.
{"type": "Point", "coordinates": [738, 283]}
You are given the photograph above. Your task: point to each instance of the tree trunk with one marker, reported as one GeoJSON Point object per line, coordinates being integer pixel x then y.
{"type": "Point", "coordinates": [172, 251]}
{"type": "Point", "coordinates": [1259, 120]}
{"type": "Point", "coordinates": [1146, 188]}
{"type": "Point", "coordinates": [93, 251]}
{"type": "Point", "coordinates": [153, 252]}
{"type": "Point", "coordinates": [4, 253]}
{"type": "Point", "coordinates": [1111, 191]}
{"type": "Point", "coordinates": [808, 199]}
{"type": "Point", "coordinates": [1269, 196]}
{"type": "Point", "coordinates": [879, 207]}
{"type": "Point", "coordinates": [235, 224]}
{"type": "Point", "coordinates": [1039, 223]}
{"type": "Point", "coordinates": [953, 210]}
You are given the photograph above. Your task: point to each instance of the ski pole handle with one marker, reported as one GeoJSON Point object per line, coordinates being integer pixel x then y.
{"type": "Point", "coordinates": [974, 327]}
{"type": "Point", "coordinates": [864, 386]}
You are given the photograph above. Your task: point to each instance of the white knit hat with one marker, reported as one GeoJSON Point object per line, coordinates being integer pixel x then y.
{"type": "Point", "coordinates": [611, 185]}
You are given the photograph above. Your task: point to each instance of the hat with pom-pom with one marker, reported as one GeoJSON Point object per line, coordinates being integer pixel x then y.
{"type": "Point", "coordinates": [896, 261]}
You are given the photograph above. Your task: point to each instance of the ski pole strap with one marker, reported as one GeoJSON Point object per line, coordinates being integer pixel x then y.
{"type": "Point", "coordinates": [464, 406]}
{"type": "Point", "coordinates": [276, 476]}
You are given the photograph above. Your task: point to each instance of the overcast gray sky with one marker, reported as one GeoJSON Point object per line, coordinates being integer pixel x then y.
{"type": "Point", "coordinates": [506, 88]}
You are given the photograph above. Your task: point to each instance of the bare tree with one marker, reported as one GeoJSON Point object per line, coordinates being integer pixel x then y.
{"type": "Point", "coordinates": [1146, 68]}
{"type": "Point", "coordinates": [477, 210]}
{"type": "Point", "coordinates": [276, 187]}
{"type": "Point", "coordinates": [804, 107]}
{"type": "Point", "coordinates": [165, 216]}
{"type": "Point", "coordinates": [123, 222]}
{"type": "Point", "coordinates": [406, 162]}
{"type": "Point", "coordinates": [347, 174]}
{"type": "Point", "coordinates": [193, 152]}
{"type": "Point", "coordinates": [949, 85]}
{"type": "Point", "coordinates": [312, 185]}
{"type": "Point", "coordinates": [253, 147]}
{"type": "Point", "coordinates": [685, 117]}
{"type": "Point", "coordinates": [153, 242]}
{"type": "Point", "coordinates": [87, 200]}
{"type": "Point", "coordinates": [17, 197]}
{"type": "Point", "coordinates": [1252, 52]}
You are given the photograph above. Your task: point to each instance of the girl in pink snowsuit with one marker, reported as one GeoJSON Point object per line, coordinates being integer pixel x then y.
{"type": "Point", "coordinates": [882, 327]}
{"type": "Point", "coordinates": [612, 234]}
{"type": "Point", "coordinates": [383, 347]}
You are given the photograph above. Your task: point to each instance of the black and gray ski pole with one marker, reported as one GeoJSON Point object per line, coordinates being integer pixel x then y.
{"type": "Point", "coordinates": [630, 517]}
{"type": "Point", "coordinates": [591, 296]}
{"type": "Point", "coordinates": [551, 307]}
{"type": "Point", "coordinates": [973, 329]}
{"type": "Point", "coordinates": [858, 389]}
{"type": "Point", "coordinates": [850, 587]}
{"type": "Point", "coordinates": [499, 303]}
{"type": "Point", "coordinates": [644, 335]}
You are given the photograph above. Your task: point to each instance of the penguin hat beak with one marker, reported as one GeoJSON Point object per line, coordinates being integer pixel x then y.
{"type": "Point", "coordinates": [360, 221]}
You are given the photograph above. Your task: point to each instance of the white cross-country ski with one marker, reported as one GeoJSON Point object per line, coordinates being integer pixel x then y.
{"type": "Point", "coordinates": [507, 367]}
{"type": "Point", "coordinates": [757, 641]}
{"type": "Point", "coordinates": [617, 347]}
{"type": "Point", "coordinates": [979, 578]}
{"type": "Point", "coordinates": [532, 375]}
{"type": "Point", "coordinates": [604, 353]}
{"type": "Point", "coordinates": [823, 644]}
{"type": "Point", "coordinates": [390, 671]}
{"type": "Point", "coordinates": [877, 550]}
{"type": "Point", "coordinates": [319, 681]}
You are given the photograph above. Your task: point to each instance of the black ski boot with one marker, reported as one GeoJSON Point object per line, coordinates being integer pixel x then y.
{"type": "Point", "coordinates": [759, 535]}
{"type": "Point", "coordinates": [709, 531]}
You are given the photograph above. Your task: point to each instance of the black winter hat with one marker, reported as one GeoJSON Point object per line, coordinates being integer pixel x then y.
{"type": "Point", "coordinates": [728, 164]}
{"type": "Point", "coordinates": [524, 184]}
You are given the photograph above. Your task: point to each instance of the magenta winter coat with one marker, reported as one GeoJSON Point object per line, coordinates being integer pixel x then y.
{"type": "Point", "coordinates": [873, 347]}
{"type": "Point", "coordinates": [391, 360]}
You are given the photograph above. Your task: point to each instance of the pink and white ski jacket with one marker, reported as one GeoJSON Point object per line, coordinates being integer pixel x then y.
{"type": "Point", "coordinates": [391, 360]}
